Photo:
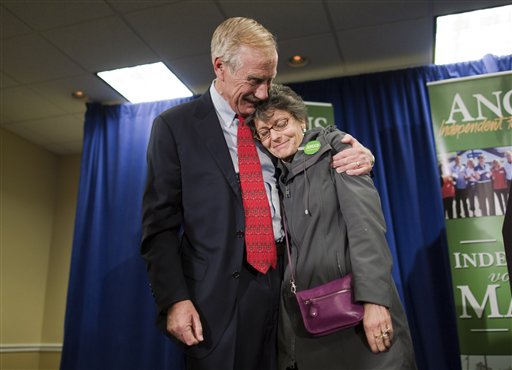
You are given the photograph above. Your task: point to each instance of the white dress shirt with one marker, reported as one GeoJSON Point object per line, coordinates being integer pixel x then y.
{"type": "Point", "coordinates": [229, 127]}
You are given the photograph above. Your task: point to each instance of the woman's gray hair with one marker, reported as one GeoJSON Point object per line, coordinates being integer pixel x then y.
{"type": "Point", "coordinates": [280, 97]}
{"type": "Point", "coordinates": [236, 32]}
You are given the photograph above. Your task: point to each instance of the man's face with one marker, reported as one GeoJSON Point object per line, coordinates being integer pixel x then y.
{"type": "Point", "coordinates": [244, 87]}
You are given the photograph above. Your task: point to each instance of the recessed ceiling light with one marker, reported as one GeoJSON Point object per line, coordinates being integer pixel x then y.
{"type": "Point", "coordinates": [148, 82]}
{"type": "Point", "coordinates": [78, 94]}
{"type": "Point", "coordinates": [298, 61]}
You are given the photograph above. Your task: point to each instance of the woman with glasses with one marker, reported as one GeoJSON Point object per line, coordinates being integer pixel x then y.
{"type": "Point", "coordinates": [336, 227]}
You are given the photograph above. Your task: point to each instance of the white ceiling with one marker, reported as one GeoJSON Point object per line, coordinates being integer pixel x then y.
{"type": "Point", "coordinates": [50, 48]}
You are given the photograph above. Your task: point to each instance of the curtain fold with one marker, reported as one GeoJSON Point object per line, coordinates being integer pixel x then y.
{"type": "Point", "coordinates": [110, 311]}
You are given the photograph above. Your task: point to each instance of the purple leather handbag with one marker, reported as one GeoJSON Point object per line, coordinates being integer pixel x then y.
{"type": "Point", "coordinates": [329, 307]}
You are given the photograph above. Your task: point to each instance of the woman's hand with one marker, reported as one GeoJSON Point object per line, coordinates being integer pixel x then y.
{"type": "Point", "coordinates": [378, 327]}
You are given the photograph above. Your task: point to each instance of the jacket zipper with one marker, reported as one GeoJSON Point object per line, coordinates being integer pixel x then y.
{"type": "Point", "coordinates": [293, 365]}
{"type": "Point", "coordinates": [292, 345]}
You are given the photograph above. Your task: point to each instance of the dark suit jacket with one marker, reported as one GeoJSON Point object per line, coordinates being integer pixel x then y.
{"type": "Point", "coordinates": [193, 218]}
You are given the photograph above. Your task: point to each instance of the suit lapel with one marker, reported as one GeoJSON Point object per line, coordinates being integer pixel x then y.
{"type": "Point", "coordinates": [209, 131]}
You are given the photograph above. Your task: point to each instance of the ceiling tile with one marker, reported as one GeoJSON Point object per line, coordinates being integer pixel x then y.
{"type": "Point", "coordinates": [59, 92]}
{"type": "Point", "coordinates": [48, 14]}
{"type": "Point", "coordinates": [355, 14]}
{"type": "Point", "coordinates": [285, 19]}
{"type": "Point", "coordinates": [21, 104]}
{"type": "Point", "coordinates": [321, 50]}
{"type": "Point", "coordinates": [7, 81]}
{"type": "Point", "coordinates": [27, 134]}
{"type": "Point", "coordinates": [413, 48]}
{"type": "Point", "coordinates": [196, 72]}
{"type": "Point", "coordinates": [67, 148]}
{"type": "Point", "coordinates": [10, 25]}
{"type": "Point", "coordinates": [102, 44]}
{"type": "Point", "coordinates": [126, 6]}
{"type": "Point", "coordinates": [50, 130]}
{"type": "Point", "coordinates": [31, 58]}
{"type": "Point", "coordinates": [181, 37]}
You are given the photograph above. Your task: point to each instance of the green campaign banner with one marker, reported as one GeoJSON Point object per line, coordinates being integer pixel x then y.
{"type": "Point", "coordinates": [319, 114]}
{"type": "Point", "coordinates": [472, 123]}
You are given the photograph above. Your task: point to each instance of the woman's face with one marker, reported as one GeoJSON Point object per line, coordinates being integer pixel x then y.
{"type": "Point", "coordinates": [285, 134]}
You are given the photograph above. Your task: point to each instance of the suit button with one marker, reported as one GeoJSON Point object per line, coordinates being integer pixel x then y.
{"type": "Point", "coordinates": [236, 275]}
{"type": "Point", "coordinates": [240, 234]}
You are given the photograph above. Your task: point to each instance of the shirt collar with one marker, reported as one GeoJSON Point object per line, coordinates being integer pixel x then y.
{"type": "Point", "coordinates": [222, 107]}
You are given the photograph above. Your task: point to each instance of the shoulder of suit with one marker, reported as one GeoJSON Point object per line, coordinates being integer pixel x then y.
{"type": "Point", "coordinates": [194, 108]}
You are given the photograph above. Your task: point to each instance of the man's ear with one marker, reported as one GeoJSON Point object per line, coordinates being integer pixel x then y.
{"type": "Point", "coordinates": [219, 67]}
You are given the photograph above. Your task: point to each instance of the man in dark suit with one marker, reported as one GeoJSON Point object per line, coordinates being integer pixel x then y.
{"type": "Point", "coordinates": [209, 298]}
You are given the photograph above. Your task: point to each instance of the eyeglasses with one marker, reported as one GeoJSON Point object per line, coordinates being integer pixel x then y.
{"type": "Point", "coordinates": [264, 133]}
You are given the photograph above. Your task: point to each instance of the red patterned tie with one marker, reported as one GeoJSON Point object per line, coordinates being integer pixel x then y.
{"type": "Point", "coordinates": [259, 236]}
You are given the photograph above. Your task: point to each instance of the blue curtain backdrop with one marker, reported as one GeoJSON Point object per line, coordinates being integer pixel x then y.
{"type": "Point", "coordinates": [110, 312]}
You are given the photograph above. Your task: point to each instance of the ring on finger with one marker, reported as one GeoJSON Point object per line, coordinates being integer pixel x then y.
{"type": "Point", "coordinates": [358, 164]}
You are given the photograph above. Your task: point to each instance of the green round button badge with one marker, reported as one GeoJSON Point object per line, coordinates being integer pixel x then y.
{"type": "Point", "coordinates": [312, 147]}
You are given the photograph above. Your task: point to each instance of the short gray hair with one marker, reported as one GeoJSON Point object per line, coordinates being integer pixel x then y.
{"type": "Point", "coordinates": [280, 97]}
{"type": "Point", "coordinates": [236, 32]}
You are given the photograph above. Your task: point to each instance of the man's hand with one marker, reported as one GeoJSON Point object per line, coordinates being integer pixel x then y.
{"type": "Point", "coordinates": [357, 160]}
{"type": "Point", "coordinates": [184, 324]}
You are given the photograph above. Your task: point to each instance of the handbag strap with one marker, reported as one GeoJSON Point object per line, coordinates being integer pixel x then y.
{"type": "Point", "coordinates": [293, 287]}
{"type": "Point", "coordinates": [292, 272]}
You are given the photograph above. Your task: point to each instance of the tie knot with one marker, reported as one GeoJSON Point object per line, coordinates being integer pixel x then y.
{"type": "Point", "coordinates": [240, 119]}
